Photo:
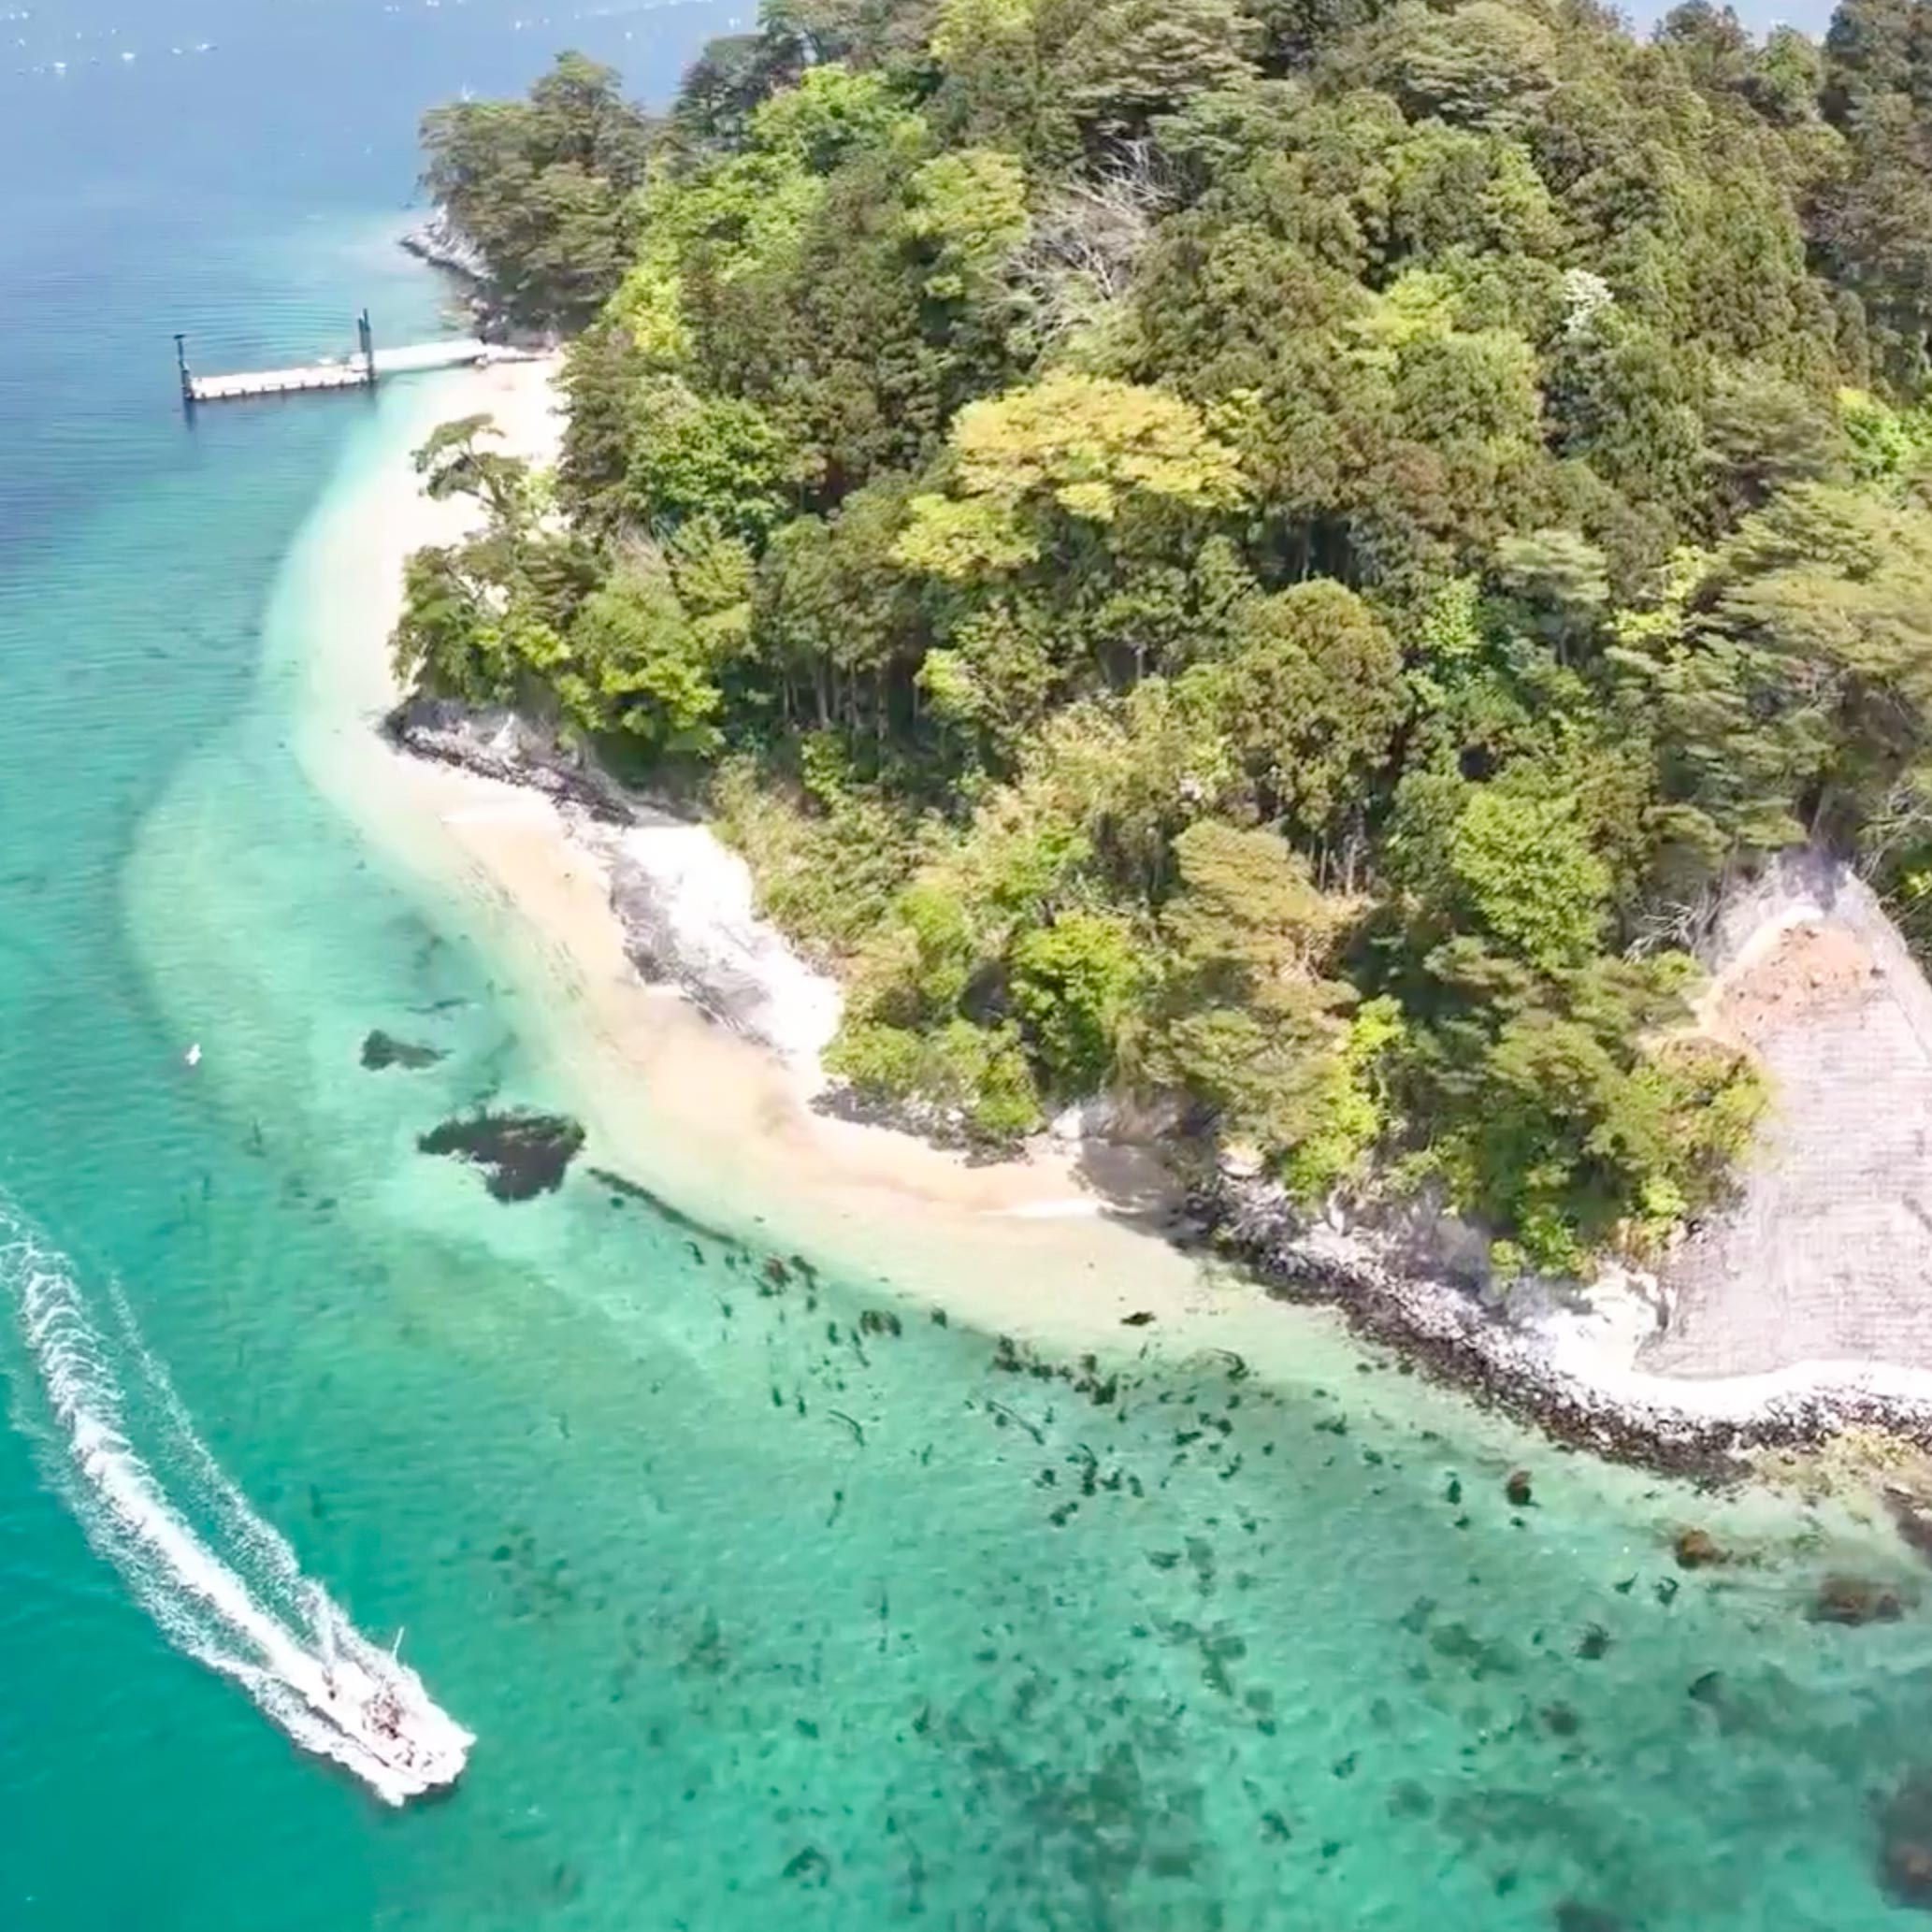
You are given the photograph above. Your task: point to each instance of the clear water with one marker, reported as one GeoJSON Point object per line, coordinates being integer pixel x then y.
{"type": "Point", "coordinates": [762, 1617]}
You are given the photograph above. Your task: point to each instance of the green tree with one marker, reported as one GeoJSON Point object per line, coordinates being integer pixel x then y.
{"type": "Point", "coordinates": [1310, 698]}
{"type": "Point", "coordinates": [1074, 987]}
{"type": "Point", "coordinates": [830, 114]}
{"type": "Point", "coordinates": [966, 214]}
{"type": "Point", "coordinates": [1522, 872]}
{"type": "Point", "coordinates": [1825, 596]}
{"type": "Point", "coordinates": [1559, 582]}
{"type": "Point", "coordinates": [1077, 447]}
{"type": "Point", "coordinates": [1483, 63]}
{"type": "Point", "coordinates": [699, 456]}
{"type": "Point", "coordinates": [1763, 432]}
{"type": "Point", "coordinates": [541, 189]}
{"type": "Point", "coordinates": [1268, 552]}
{"type": "Point", "coordinates": [1247, 1023]}
{"type": "Point", "coordinates": [638, 665]}
{"type": "Point", "coordinates": [453, 462]}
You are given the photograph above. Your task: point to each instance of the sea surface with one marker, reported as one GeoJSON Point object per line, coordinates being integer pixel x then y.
{"type": "Point", "coordinates": [773, 1602]}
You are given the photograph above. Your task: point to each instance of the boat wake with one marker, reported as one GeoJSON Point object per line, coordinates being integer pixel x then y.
{"type": "Point", "coordinates": [220, 1583]}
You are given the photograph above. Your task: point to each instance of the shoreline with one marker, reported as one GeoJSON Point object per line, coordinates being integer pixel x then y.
{"type": "Point", "coordinates": [674, 1099]}
{"type": "Point", "coordinates": [1705, 1428]}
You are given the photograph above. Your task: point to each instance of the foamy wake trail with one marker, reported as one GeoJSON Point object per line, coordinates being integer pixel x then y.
{"type": "Point", "coordinates": [234, 1598]}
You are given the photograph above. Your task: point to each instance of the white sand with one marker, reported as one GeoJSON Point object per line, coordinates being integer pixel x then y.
{"type": "Point", "coordinates": [708, 906]}
{"type": "Point", "coordinates": [670, 1099]}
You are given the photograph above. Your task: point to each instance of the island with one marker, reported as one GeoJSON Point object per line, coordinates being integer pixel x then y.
{"type": "Point", "coordinates": [1324, 616]}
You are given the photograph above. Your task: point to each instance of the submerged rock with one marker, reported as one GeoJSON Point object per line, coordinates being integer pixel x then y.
{"type": "Point", "coordinates": [380, 1050]}
{"type": "Point", "coordinates": [521, 1154]}
{"type": "Point", "coordinates": [1698, 1550]}
{"type": "Point", "coordinates": [1574, 1915]}
{"type": "Point", "coordinates": [1912, 1515]}
{"type": "Point", "coordinates": [1856, 1600]}
{"type": "Point", "coordinates": [623, 1191]}
{"type": "Point", "coordinates": [1905, 1843]}
{"type": "Point", "coordinates": [810, 1867]}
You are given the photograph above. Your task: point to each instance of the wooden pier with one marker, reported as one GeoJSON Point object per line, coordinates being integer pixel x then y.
{"type": "Point", "coordinates": [362, 370]}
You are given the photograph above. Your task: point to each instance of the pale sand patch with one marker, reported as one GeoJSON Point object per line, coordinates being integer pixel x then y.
{"type": "Point", "coordinates": [1803, 970]}
{"type": "Point", "coordinates": [672, 1100]}
{"type": "Point", "coordinates": [698, 901]}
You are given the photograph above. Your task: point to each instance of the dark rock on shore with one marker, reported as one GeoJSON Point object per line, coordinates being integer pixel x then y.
{"type": "Point", "coordinates": [440, 243]}
{"type": "Point", "coordinates": [1453, 1335]}
{"type": "Point", "coordinates": [722, 971]}
{"type": "Point", "coordinates": [521, 1155]}
{"type": "Point", "coordinates": [1391, 1290]}
{"type": "Point", "coordinates": [381, 1050]}
{"type": "Point", "coordinates": [1573, 1915]}
{"type": "Point", "coordinates": [501, 745]}
{"type": "Point", "coordinates": [1911, 1515]}
{"type": "Point", "coordinates": [942, 1127]}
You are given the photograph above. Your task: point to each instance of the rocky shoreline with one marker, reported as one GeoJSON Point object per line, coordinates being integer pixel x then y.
{"type": "Point", "coordinates": [684, 904]}
{"type": "Point", "coordinates": [503, 746]}
{"type": "Point", "coordinates": [1449, 1332]}
{"type": "Point", "coordinates": [1375, 1278]}
{"type": "Point", "coordinates": [440, 243]}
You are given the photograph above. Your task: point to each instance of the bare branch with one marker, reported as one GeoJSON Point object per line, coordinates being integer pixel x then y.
{"type": "Point", "coordinates": [1085, 244]}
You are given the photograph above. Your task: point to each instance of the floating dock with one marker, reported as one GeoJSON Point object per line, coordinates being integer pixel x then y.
{"type": "Point", "coordinates": [323, 375]}
{"type": "Point", "coordinates": [362, 370]}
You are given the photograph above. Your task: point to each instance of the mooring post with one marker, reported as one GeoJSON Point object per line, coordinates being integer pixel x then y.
{"type": "Point", "coordinates": [368, 344]}
{"type": "Point", "coordinates": [186, 374]}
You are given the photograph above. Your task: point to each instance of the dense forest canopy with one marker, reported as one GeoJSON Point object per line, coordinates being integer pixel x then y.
{"type": "Point", "coordinates": [1276, 557]}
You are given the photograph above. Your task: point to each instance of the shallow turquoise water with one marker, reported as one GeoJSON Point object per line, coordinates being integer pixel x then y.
{"type": "Point", "coordinates": [764, 1614]}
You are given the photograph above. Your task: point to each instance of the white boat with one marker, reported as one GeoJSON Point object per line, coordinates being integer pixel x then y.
{"type": "Point", "coordinates": [386, 1728]}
